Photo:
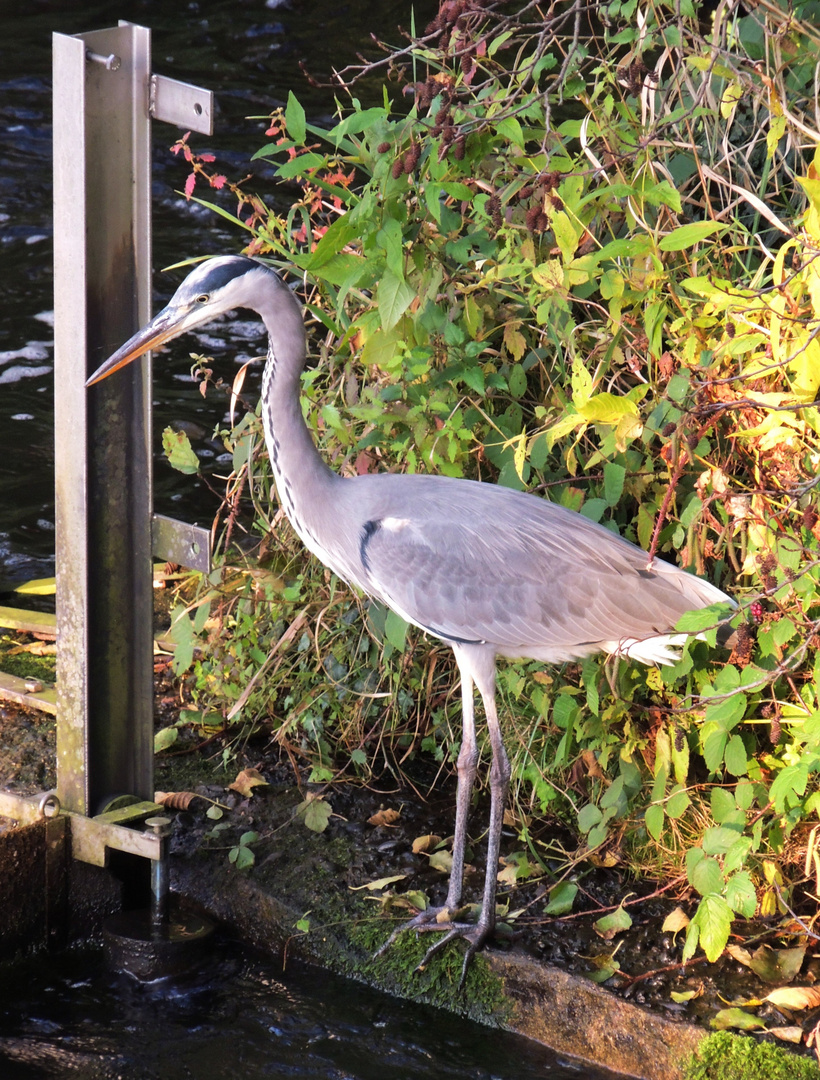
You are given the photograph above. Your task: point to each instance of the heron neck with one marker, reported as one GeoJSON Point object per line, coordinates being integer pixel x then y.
{"type": "Point", "coordinates": [303, 480]}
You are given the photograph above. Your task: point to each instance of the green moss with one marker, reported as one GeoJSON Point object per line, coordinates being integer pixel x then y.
{"type": "Point", "coordinates": [725, 1056]}
{"type": "Point", "coordinates": [481, 998]}
{"type": "Point", "coordinates": [24, 665]}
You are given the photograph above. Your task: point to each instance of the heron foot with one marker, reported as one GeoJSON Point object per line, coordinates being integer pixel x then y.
{"type": "Point", "coordinates": [440, 920]}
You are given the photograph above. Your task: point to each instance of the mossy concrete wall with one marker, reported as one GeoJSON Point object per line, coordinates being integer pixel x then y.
{"type": "Point", "coordinates": [504, 989]}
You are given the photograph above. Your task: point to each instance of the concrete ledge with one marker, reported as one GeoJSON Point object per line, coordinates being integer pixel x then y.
{"type": "Point", "coordinates": [564, 1012]}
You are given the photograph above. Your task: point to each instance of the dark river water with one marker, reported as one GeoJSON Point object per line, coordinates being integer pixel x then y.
{"type": "Point", "coordinates": [248, 52]}
{"type": "Point", "coordinates": [69, 1017]}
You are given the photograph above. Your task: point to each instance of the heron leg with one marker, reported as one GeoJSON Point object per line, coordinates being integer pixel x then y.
{"type": "Point", "coordinates": [476, 934]}
{"type": "Point", "coordinates": [466, 766]}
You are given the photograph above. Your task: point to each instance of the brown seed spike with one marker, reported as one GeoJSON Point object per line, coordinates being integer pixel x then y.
{"type": "Point", "coordinates": [398, 168]}
{"type": "Point", "coordinates": [383, 147]}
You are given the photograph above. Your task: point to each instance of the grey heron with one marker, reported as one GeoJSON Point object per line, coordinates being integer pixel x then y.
{"type": "Point", "coordinates": [489, 570]}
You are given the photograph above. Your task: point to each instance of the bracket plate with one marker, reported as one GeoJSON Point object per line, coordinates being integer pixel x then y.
{"type": "Point", "coordinates": [181, 104]}
{"type": "Point", "coordinates": [176, 542]}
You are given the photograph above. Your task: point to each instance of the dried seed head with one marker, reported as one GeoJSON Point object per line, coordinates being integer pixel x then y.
{"type": "Point", "coordinates": [411, 157]}
{"type": "Point", "coordinates": [460, 148]}
{"type": "Point", "coordinates": [494, 210]}
{"type": "Point", "coordinates": [398, 168]}
{"type": "Point", "coordinates": [531, 218]}
{"type": "Point", "coordinates": [383, 147]}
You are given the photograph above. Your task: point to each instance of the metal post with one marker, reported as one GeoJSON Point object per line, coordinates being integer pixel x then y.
{"type": "Point", "coordinates": [104, 99]}
{"type": "Point", "coordinates": [102, 293]}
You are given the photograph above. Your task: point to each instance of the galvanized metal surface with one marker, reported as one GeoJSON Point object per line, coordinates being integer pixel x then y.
{"type": "Point", "coordinates": [180, 103]}
{"type": "Point", "coordinates": [104, 98]}
{"type": "Point", "coordinates": [178, 542]}
{"type": "Point", "coordinates": [102, 293]}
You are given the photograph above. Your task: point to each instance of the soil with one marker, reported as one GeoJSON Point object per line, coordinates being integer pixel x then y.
{"type": "Point", "coordinates": [308, 867]}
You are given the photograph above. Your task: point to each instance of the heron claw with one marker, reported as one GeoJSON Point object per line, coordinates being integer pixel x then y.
{"type": "Point", "coordinates": [474, 934]}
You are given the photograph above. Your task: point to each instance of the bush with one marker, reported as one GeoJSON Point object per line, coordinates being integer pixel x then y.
{"type": "Point", "coordinates": [586, 266]}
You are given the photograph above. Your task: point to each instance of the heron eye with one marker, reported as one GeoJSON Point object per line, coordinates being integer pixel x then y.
{"type": "Point", "coordinates": [203, 298]}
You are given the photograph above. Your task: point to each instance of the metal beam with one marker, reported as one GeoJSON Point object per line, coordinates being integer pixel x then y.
{"type": "Point", "coordinates": [102, 294]}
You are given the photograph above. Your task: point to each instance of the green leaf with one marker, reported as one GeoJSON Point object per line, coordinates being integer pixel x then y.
{"type": "Point", "coordinates": [654, 821]}
{"type": "Point", "coordinates": [395, 630]}
{"type": "Point", "coordinates": [714, 746]}
{"type": "Point", "coordinates": [315, 813]}
{"type": "Point", "coordinates": [736, 1018]}
{"type": "Point", "coordinates": [714, 919]}
{"type": "Point", "coordinates": [722, 803]}
{"type": "Point", "coordinates": [613, 923]}
{"type": "Point", "coordinates": [164, 738]}
{"type": "Point", "coordinates": [561, 898]}
{"type": "Point", "coordinates": [787, 787]}
{"type": "Point", "coordinates": [589, 816]}
{"type": "Point", "coordinates": [741, 895]}
{"type": "Point", "coordinates": [717, 840]}
{"type": "Point", "coordinates": [394, 298]}
{"type": "Point", "coordinates": [707, 876]}
{"type": "Point", "coordinates": [614, 476]}
{"type": "Point", "coordinates": [687, 236]}
{"type": "Point", "coordinates": [295, 119]}
{"type": "Point", "coordinates": [177, 448]}
{"type": "Point", "coordinates": [677, 804]}
{"type": "Point", "coordinates": [242, 857]}
{"type": "Point", "coordinates": [727, 713]}
{"type": "Point", "coordinates": [737, 762]}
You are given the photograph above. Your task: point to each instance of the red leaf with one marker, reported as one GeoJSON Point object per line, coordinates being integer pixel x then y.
{"type": "Point", "coordinates": [189, 185]}
{"type": "Point", "coordinates": [218, 181]}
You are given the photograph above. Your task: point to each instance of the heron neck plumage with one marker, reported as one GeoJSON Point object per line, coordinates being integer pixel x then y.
{"type": "Point", "coordinates": [303, 481]}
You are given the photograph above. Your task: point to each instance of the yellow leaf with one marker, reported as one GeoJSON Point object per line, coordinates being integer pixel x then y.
{"type": "Point", "coordinates": [381, 883]}
{"type": "Point", "coordinates": [442, 861]}
{"type": "Point", "coordinates": [743, 956]}
{"type": "Point", "coordinates": [675, 921]}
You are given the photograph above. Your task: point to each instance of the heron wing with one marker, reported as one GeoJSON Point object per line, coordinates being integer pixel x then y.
{"type": "Point", "coordinates": [481, 563]}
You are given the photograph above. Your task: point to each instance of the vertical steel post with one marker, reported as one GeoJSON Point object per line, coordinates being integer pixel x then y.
{"type": "Point", "coordinates": [103, 439]}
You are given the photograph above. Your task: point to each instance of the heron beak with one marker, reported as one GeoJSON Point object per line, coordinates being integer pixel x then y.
{"type": "Point", "coordinates": [163, 326]}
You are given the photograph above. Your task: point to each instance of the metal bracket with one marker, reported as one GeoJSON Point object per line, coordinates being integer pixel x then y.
{"type": "Point", "coordinates": [181, 104]}
{"type": "Point", "coordinates": [91, 837]}
{"type": "Point", "coordinates": [176, 542]}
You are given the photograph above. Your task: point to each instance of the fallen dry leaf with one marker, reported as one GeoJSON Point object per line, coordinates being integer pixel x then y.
{"type": "Point", "coordinates": [175, 800]}
{"type": "Point", "coordinates": [794, 997]}
{"type": "Point", "coordinates": [676, 921]}
{"type": "Point", "coordinates": [788, 1034]}
{"type": "Point", "coordinates": [426, 843]}
{"type": "Point", "coordinates": [384, 817]}
{"type": "Point", "coordinates": [246, 781]}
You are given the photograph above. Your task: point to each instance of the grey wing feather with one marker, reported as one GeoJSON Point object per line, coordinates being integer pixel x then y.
{"type": "Point", "coordinates": [480, 563]}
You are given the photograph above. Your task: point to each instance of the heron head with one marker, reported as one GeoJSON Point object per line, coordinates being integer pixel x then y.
{"type": "Point", "coordinates": [211, 289]}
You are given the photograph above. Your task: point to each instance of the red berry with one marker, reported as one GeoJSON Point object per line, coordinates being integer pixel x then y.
{"type": "Point", "coordinates": [756, 611]}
